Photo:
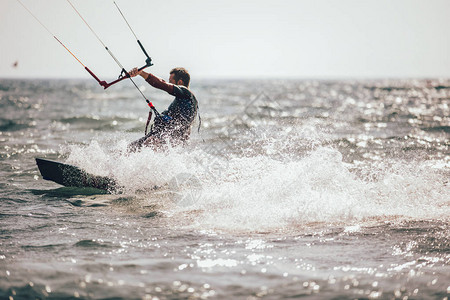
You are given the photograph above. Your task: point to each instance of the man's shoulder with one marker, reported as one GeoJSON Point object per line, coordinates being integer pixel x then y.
{"type": "Point", "coordinates": [182, 91]}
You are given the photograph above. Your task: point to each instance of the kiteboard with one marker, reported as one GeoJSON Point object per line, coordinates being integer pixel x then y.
{"type": "Point", "coordinates": [72, 176]}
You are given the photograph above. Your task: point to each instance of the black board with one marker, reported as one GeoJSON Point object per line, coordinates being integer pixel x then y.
{"type": "Point", "coordinates": [72, 176]}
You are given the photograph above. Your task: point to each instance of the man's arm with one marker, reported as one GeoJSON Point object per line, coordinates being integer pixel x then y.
{"type": "Point", "coordinates": [154, 81]}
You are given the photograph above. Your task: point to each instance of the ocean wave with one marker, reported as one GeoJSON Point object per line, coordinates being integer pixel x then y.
{"type": "Point", "coordinates": [13, 125]}
{"type": "Point", "coordinates": [94, 244]}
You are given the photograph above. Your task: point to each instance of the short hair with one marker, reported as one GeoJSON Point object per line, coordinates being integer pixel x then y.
{"type": "Point", "coordinates": [181, 73]}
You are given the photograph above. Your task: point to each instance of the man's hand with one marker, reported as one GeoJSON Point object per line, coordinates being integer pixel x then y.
{"type": "Point", "coordinates": [134, 72]}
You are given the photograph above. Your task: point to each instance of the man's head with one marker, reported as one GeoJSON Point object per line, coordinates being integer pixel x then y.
{"type": "Point", "coordinates": [180, 76]}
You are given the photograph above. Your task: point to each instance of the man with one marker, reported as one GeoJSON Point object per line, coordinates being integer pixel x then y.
{"type": "Point", "coordinates": [175, 123]}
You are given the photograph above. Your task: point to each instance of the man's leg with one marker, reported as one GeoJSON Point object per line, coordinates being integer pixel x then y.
{"type": "Point", "coordinates": [136, 145]}
{"type": "Point", "coordinates": [152, 139]}
{"type": "Point", "coordinates": [156, 142]}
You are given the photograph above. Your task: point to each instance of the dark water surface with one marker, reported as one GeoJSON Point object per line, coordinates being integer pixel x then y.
{"type": "Point", "coordinates": [293, 188]}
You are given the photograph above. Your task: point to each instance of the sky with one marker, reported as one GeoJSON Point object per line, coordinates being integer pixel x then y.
{"type": "Point", "coordinates": [230, 39]}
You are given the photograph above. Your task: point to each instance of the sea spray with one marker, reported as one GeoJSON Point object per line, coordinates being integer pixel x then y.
{"type": "Point", "coordinates": [259, 193]}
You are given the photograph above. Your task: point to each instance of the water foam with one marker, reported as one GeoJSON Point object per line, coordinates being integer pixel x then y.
{"type": "Point", "coordinates": [319, 188]}
{"type": "Point", "coordinates": [259, 193]}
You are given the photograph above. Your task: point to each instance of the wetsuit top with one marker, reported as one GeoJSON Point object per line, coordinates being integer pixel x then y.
{"type": "Point", "coordinates": [181, 111]}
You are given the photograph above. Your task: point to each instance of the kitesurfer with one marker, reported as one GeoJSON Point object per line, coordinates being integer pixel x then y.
{"type": "Point", "coordinates": [174, 124]}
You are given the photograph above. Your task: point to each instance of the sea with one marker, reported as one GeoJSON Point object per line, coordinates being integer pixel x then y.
{"type": "Point", "coordinates": [292, 188]}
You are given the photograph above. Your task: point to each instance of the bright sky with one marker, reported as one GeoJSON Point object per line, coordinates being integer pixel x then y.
{"type": "Point", "coordinates": [233, 38]}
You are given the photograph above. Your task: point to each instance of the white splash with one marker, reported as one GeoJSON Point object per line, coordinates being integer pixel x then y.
{"type": "Point", "coordinates": [262, 194]}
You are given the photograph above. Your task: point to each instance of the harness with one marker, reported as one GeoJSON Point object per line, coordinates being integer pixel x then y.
{"type": "Point", "coordinates": [165, 119]}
